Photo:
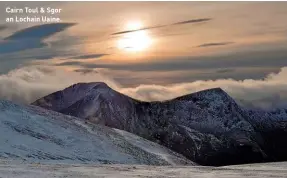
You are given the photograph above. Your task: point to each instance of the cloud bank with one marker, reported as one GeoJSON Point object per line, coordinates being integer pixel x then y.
{"type": "Point", "coordinates": [269, 93]}
{"type": "Point", "coordinates": [25, 85]}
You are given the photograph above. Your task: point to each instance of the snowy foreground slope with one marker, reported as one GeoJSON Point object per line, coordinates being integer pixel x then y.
{"type": "Point", "coordinates": [208, 127]}
{"type": "Point", "coordinates": [19, 170]}
{"type": "Point", "coordinates": [36, 135]}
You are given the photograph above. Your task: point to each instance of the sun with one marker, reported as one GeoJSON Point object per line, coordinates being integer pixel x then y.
{"type": "Point", "coordinates": [134, 41]}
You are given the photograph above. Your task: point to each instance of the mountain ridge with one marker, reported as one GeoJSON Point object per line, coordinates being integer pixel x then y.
{"type": "Point", "coordinates": [207, 127]}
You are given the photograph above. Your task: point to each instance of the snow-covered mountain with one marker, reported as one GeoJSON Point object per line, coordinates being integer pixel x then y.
{"type": "Point", "coordinates": [34, 134]}
{"type": "Point", "coordinates": [207, 127]}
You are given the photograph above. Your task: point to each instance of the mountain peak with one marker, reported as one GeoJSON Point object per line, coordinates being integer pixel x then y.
{"type": "Point", "coordinates": [208, 94]}
{"type": "Point", "coordinates": [92, 84]}
{"type": "Point", "coordinates": [217, 90]}
{"type": "Point", "coordinates": [66, 97]}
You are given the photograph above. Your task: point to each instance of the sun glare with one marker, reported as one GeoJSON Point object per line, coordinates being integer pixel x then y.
{"type": "Point", "coordinates": [134, 41]}
{"type": "Point", "coordinates": [134, 25]}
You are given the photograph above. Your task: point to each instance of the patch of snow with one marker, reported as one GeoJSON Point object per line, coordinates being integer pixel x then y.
{"type": "Point", "coordinates": [150, 147]}
{"type": "Point", "coordinates": [34, 134]}
{"type": "Point", "coordinates": [20, 170]}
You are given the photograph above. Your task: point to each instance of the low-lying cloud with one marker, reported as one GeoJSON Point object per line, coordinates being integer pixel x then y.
{"type": "Point", "coordinates": [269, 93]}
{"type": "Point", "coordinates": [25, 85]}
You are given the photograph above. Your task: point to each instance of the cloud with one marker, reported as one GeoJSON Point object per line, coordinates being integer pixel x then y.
{"type": "Point", "coordinates": [88, 56]}
{"type": "Point", "coordinates": [85, 71]}
{"type": "Point", "coordinates": [214, 44]}
{"type": "Point", "coordinates": [268, 58]}
{"type": "Point", "coordinates": [3, 27]}
{"type": "Point", "coordinates": [39, 32]}
{"type": "Point", "coordinates": [130, 31]}
{"type": "Point", "coordinates": [225, 70]}
{"type": "Point", "coordinates": [15, 46]}
{"type": "Point", "coordinates": [27, 84]}
{"type": "Point", "coordinates": [161, 26]}
{"type": "Point", "coordinates": [69, 63]}
{"type": "Point", "coordinates": [268, 93]}
{"type": "Point", "coordinates": [192, 21]}
{"type": "Point", "coordinates": [31, 38]}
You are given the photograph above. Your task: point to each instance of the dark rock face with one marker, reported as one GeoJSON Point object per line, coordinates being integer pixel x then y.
{"type": "Point", "coordinates": [207, 127]}
{"type": "Point", "coordinates": [273, 128]}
